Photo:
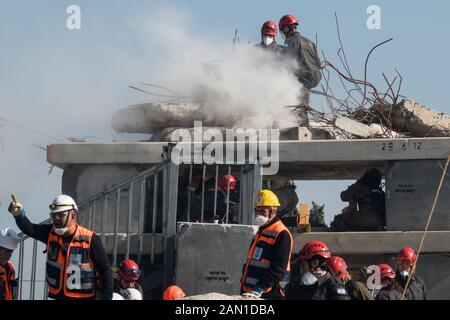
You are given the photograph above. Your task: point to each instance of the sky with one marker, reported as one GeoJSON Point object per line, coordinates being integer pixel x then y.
{"type": "Point", "coordinates": [57, 83]}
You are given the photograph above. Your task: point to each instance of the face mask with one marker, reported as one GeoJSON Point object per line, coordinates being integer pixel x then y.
{"type": "Point", "coordinates": [308, 279]}
{"type": "Point", "coordinates": [60, 231]}
{"type": "Point", "coordinates": [261, 220]}
{"type": "Point", "coordinates": [267, 40]}
{"type": "Point", "coordinates": [404, 274]}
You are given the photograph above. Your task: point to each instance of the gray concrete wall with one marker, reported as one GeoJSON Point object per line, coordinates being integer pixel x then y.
{"type": "Point", "coordinates": [410, 190]}
{"type": "Point", "coordinates": [209, 257]}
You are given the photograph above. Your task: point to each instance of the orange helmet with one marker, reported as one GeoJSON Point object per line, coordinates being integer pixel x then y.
{"type": "Point", "coordinates": [173, 293]}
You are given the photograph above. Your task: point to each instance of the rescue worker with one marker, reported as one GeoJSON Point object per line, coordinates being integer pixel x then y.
{"type": "Point", "coordinates": [268, 33]}
{"type": "Point", "coordinates": [315, 283]}
{"type": "Point", "coordinates": [304, 50]}
{"type": "Point", "coordinates": [267, 269]}
{"type": "Point", "coordinates": [356, 290]}
{"type": "Point", "coordinates": [8, 282]}
{"type": "Point", "coordinates": [406, 258]}
{"type": "Point", "coordinates": [221, 200]}
{"type": "Point", "coordinates": [389, 290]}
{"type": "Point", "coordinates": [77, 266]}
{"type": "Point", "coordinates": [366, 210]}
{"type": "Point", "coordinates": [128, 274]}
{"type": "Point", "coordinates": [173, 293]}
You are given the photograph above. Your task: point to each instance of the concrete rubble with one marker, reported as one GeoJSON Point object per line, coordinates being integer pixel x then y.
{"type": "Point", "coordinates": [161, 119]}
{"type": "Point", "coordinates": [418, 120]}
{"type": "Point", "coordinates": [218, 296]}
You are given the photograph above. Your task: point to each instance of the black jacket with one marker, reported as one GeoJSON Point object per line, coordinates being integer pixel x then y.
{"type": "Point", "coordinates": [98, 254]}
{"type": "Point", "coordinates": [416, 287]}
{"type": "Point", "coordinates": [329, 289]}
{"type": "Point", "coordinates": [388, 293]}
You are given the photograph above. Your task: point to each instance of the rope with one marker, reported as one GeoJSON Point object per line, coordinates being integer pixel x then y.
{"type": "Point", "coordinates": [427, 225]}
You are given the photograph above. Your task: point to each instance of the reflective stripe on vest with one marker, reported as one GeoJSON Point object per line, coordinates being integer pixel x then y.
{"type": "Point", "coordinates": [72, 272]}
{"type": "Point", "coordinates": [7, 281]}
{"type": "Point", "coordinates": [255, 256]}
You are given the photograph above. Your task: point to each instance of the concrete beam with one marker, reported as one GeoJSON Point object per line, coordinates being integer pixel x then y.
{"type": "Point", "coordinates": [105, 153]}
{"type": "Point", "coordinates": [289, 151]}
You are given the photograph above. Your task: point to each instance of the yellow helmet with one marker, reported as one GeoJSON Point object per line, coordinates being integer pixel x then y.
{"type": "Point", "coordinates": [266, 198]}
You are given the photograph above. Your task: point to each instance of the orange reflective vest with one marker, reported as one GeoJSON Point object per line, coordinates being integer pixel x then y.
{"type": "Point", "coordinates": [71, 270]}
{"type": "Point", "coordinates": [260, 254]}
{"type": "Point", "coordinates": [7, 282]}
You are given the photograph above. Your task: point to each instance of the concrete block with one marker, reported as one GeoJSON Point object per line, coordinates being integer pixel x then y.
{"type": "Point", "coordinates": [209, 257]}
{"type": "Point", "coordinates": [353, 127]}
{"type": "Point", "coordinates": [410, 190]}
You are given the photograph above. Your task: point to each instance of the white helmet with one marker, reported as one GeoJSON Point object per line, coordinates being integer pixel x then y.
{"type": "Point", "coordinates": [62, 203]}
{"type": "Point", "coordinates": [8, 239]}
{"type": "Point", "coordinates": [117, 296]}
{"type": "Point", "coordinates": [131, 294]}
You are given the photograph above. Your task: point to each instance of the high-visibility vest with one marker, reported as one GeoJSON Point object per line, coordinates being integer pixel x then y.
{"type": "Point", "coordinates": [71, 271]}
{"type": "Point", "coordinates": [7, 281]}
{"type": "Point", "coordinates": [258, 257]}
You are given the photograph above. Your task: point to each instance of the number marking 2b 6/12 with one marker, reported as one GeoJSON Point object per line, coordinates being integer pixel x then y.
{"type": "Point", "coordinates": [389, 146]}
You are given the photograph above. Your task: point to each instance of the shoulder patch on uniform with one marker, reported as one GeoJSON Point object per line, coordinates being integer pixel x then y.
{"type": "Point", "coordinates": [341, 291]}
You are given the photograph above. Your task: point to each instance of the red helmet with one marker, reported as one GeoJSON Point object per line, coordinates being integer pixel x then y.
{"type": "Point", "coordinates": [287, 20]}
{"type": "Point", "coordinates": [173, 293]}
{"type": "Point", "coordinates": [223, 182]}
{"type": "Point", "coordinates": [406, 253]}
{"type": "Point", "coordinates": [386, 272]}
{"type": "Point", "coordinates": [314, 248]}
{"type": "Point", "coordinates": [338, 266]}
{"type": "Point", "coordinates": [129, 270]}
{"type": "Point", "coordinates": [269, 28]}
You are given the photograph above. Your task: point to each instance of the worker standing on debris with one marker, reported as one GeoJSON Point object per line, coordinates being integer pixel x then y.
{"type": "Point", "coordinates": [128, 274]}
{"type": "Point", "coordinates": [316, 283]}
{"type": "Point", "coordinates": [77, 266]}
{"type": "Point", "coordinates": [406, 258]}
{"type": "Point", "coordinates": [357, 290]}
{"type": "Point", "coordinates": [389, 288]}
{"type": "Point", "coordinates": [268, 33]}
{"type": "Point", "coordinates": [304, 50]}
{"type": "Point", "coordinates": [267, 269]}
{"type": "Point", "coordinates": [8, 282]}
{"type": "Point", "coordinates": [366, 208]}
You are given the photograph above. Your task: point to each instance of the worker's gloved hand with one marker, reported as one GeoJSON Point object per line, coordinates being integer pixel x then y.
{"type": "Point", "coordinates": [15, 207]}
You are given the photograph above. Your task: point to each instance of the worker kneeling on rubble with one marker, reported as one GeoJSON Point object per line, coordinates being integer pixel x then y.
{"type": "Point", "coordinates": [367, 195]}
{"type": "Point", "coordinates": [8, 282]}
{"type": "Point", "coordinates": [316, 283]}
{"type": "Point", "coordinates": [76, 259]}
{"type": "Point", "coordinates": [267, 269]}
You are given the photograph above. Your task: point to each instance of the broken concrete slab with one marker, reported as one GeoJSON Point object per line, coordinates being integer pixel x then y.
{"type": "Point", "coordinates": [420, 121]}
{"type": "Point", "coordinates": [353, 127]}
{"type": "Point", "coordinates": [150, 117]}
